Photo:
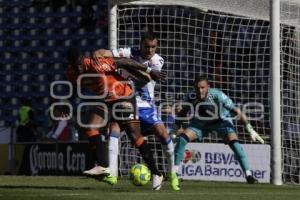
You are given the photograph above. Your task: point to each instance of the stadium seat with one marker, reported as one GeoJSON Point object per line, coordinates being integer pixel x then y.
{"type": "Point", "coordinates": [38, 37]}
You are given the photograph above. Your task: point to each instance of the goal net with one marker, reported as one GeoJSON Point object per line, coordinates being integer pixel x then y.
{"type": "Point", "coordinates": [232, 47]}
{"type": "Point", "coordinates": [290, 74]}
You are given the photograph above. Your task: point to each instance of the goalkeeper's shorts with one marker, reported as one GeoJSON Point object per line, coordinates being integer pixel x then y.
{"type": "Point", "coordinates": [222, 127]}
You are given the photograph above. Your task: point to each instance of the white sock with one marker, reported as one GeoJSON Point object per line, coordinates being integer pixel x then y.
{"type": "Point", "coordinates": [248, 173]}
{"type": "Point", "coordinates": [113, 153]}
{"type": "Point", "coordinates": [169, 152]}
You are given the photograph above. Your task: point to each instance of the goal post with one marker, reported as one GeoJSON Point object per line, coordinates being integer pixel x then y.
{"type": "Point", "coordinates": [238, 44]}
{"type": "Point", "coordinates": [112, 21]}
{"type": "Point", "coordinates": [275, 76]}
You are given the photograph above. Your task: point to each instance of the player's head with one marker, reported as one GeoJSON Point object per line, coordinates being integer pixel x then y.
{"type": "Point", "coordinates": [74, 57]}
{"type": "Point", "coordinates": [148, 45]}
{"type": "Point", "coordinates": [201, 86]}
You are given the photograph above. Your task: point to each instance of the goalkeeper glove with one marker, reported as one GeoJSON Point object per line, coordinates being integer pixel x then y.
{"type": "Point", "coordinates": [253, 134]}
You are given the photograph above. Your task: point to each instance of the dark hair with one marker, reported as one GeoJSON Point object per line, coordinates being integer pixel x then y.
{"type": "Point", "coordinates": [73, 54]}
{"type": "Point", "coordinates": [200, 78]}
{"type": "Point", "coordinates": [149, 35]}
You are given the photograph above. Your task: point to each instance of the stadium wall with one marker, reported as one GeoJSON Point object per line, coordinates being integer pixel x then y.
{"type": "Point", "coordinates": [52, 158]}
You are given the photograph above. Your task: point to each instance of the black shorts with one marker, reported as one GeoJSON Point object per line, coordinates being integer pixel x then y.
{"type": "Point", "coordinates": [123, 110]}
{"type": "Point", "coordinates": [120, 111]}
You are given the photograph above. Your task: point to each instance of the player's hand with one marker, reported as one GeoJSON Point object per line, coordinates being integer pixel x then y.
{"type": "Point", "coordinates": [104, 65]}
{"type": "Point", "coordinates": [253, 134]}
{"type": "Point", "coordinates": [65, 116]}
{"type": "Point", "coordinates": [158, 75]}
{"type": "Point", "coordinates": [173, 133]}
{"type": "Point", "coordinates": [94, 57]}
{"type": "Point", "coordinates": [174, 130]}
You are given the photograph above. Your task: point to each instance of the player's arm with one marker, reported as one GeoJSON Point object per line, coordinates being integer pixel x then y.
{"type": "Point", "coordinates": [121, 57]}
{"type": "Point", "coordinates": [121, 52]}
{"type": "Point", "coordinates": [253, 134]}
{"type": "Point", "coordinates": [139, 77]}
{"type": "Point", "coordinates": [181, 115]}
{"type": "Point", "coordinates": [186, 108]}
{"type": "Point", "coordinates": [228, 104]}
{"type": "Point", "coordinates": [180, 119]}
{"type": "Point", "coordinates": [134, 66]}
{"type": "Point", "coordinates": [157, 63]}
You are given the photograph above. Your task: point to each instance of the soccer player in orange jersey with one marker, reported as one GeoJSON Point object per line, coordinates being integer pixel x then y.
{"type": "Point", "coordinates": [120, 106]}
{"type": "Point", "coordinates": [150, 120]}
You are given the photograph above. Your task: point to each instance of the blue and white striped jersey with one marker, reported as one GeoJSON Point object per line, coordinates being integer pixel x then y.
{"type": "Point", "coordinates": [145, 95]}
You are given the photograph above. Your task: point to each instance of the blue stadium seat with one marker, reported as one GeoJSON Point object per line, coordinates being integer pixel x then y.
{"type": "Point", "coordinates": [38, 37]}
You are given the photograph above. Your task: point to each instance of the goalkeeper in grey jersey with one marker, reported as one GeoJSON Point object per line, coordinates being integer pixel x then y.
{"type": "Point", "coordinates": [211, 110]}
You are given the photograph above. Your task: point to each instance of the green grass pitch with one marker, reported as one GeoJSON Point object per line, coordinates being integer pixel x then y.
{"type": "Point", "coordinates": [71, 188]}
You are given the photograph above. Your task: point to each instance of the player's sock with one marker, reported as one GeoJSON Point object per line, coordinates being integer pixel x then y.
{"type": "Point", "coordinates": [168, 148]}
{"type": "Point", "coordinates": [147, 155]}
{"type": "Point", "coordinates": [113, 151]}
{"type": "Point", "coordinates": [248, 173]}
{"type": "Point", "coordinates": [180, 148]}
{"type": "Point", "coordinates": [176, 168]}
{"type": "Point", "coordinates": [98, 149]}
{"type": "Point", "coordinates": [239, 154]}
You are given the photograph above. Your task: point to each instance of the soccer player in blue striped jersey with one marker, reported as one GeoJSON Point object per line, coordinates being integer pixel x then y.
{"type": "Point", "coordinates": [212, 112]}
{"type": "Point", "coordinates": [148, 116]}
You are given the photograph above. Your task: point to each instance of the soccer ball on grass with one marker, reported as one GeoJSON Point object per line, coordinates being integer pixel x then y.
{"type": "Point", "coordinates": [139, 174]}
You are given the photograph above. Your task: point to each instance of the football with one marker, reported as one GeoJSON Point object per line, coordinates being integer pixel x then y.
{"type": "Point", "coordinates": [140, 174]}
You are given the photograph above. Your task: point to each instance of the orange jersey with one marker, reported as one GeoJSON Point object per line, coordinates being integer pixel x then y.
{"type": "Point", "coordinates": [104, 78]}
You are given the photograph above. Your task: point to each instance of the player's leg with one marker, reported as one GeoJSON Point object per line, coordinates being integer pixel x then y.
{"type": "Point", "coordinates": [190, 134]}
{"type": "Point", "coordinates": [132, 129]}
{"type": "Point", "coordinates": [240, 155]}
{"type": "Point", "coordinates": [151, 123]}
{"type": "Point", "coordinates": [167, 144]}
{"type": "Point", "coordinates": [227, 130]}
{"type": "Point", "coordinates": [95, 141]}
{"type": "Point", "coordinates": [126, 116]}
{"type": "Point", "coordinates": [113, 148]}
{"type": "Point", "coordinates": [160, 130]}
{"type": "Point", "coordinates": [98, 149]}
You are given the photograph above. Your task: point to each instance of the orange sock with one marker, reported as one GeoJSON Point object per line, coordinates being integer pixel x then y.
{"type": "Point", "coordinates": [91, 133]}
{"type": "Point", "coordinates": [139, 141]}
